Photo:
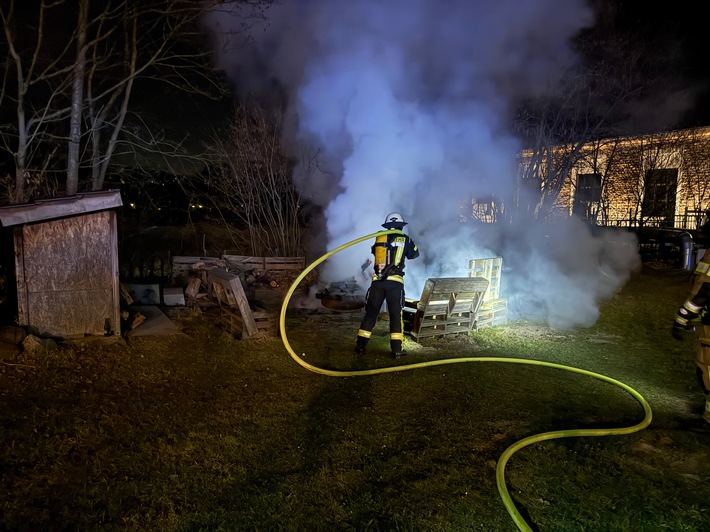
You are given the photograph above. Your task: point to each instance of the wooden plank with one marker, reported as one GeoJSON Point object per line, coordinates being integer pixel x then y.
{"type": "Point", "coordinates": [236, 297]}
{"type": "Point", "coordinates": [266, 322]}
{"type": "Point", "coordinates": [433, 310]}
{"type": "Point", "coordinates": [463, 306]}
{"type": "Point", "coordinates": [244, 262]}
{"type": "Point", "coordinates": [62, 207]}
{"type": "Point", "coordinates": [492, 313]}
{"type": "Point", "coordinates": [493, 322]}
{"type": "Point", "coordinates": [126, 295]}
{"type": "Point", "coordinates": [232, 319]}
{"type": "Point", "coordinates": [442, 288]}
{"type": "Point", "coordinates": [457, 329]}
{"type": "Point", "coordinates": [459, 284]}
{"type": "Point", "coordinates": [430, 332]}
{"type": "Point", "coordinates": [267, 325]}
{"type": "Point", "coordinates": [185, 259]}
{"type": "Point", "coordinates": [284, 263]}
{"type": "Point", "coordinates": [490, 269]}
{"type": "Point", "coordinates": [495, 304]}
{"type": "Point", "coordinates": [183, 263]}
{"type": "Point", "coordinates": [22, 295]}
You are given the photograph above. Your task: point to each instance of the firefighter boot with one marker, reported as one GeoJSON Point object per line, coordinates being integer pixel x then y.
{"type": "Point", "coordinates": [360, 345]}
{"type": "Point", "coordinates": [397, 348]}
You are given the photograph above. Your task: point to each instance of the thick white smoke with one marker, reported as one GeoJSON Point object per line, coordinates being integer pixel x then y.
{"type": "Point", "coordinates": [409, 102]}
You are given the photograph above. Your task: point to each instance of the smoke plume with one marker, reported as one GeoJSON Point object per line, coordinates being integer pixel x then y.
{"type": "Point", "coordinates": [409, 102]}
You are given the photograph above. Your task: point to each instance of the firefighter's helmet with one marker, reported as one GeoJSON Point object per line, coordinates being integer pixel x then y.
{"type": "Point", "coordinates": [394, 220]}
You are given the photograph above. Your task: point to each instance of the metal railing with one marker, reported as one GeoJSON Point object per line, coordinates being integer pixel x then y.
{"type": "Point", "coordinates": [690, 220]}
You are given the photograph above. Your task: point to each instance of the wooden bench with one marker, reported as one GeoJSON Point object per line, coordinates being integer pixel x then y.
{"type": "Point", "coordinates": [448, 305]}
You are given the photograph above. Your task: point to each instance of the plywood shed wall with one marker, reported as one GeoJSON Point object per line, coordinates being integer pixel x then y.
{"type": "Point", "coordinates": [67, 271]}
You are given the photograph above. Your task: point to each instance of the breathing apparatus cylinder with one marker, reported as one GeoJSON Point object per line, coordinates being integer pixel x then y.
{"type": "Point", "coordinates": [381, 252]}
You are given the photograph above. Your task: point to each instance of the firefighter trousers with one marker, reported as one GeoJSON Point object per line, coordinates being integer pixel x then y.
{"type": "Point", "coordinates": [703, 362]}
{"type": "Point", "coordinates": [379, 292]}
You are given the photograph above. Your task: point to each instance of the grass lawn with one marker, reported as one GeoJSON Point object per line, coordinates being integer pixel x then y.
{"type": "Point", "coordinates": [205, 432]}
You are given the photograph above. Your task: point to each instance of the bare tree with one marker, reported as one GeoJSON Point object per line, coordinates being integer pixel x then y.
{"type": "Point", "coordinates": [77, 98]}
{"type": "Point", "coordinates": [604, 97]}
{"type": "Point", "coordinates": [26, 60]}
{"type": "Point", "coordinates": [660, 179]}
{"type": "Point", "coordinates": [657, 179]}
{"type": "Point", "coordinates": [250, 181]}
{"type": "Point", "coordinates": [694, 187]}
{"type": "Point", "coordinates": [73, 90]}
{"type": "Point", "coordinates": [649, 167]}
{"type": "Point", "coordinates": [558, 130]}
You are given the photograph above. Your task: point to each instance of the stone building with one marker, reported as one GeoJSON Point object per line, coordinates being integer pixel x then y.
{"type": "Point", "coordinates": [658, 180]}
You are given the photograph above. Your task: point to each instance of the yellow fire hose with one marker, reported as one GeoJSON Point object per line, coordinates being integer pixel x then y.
{"type": "Point", "coordinates": [500, 467]}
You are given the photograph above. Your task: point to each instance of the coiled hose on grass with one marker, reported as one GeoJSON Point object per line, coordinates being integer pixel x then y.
{"type": "Point", "coordinates": [503, 460]}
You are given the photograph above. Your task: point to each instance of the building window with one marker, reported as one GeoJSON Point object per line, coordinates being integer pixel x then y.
{"type": "Point", "coordinates": [659, 195]}
{"type": "Point", "coordinates": [485, 209]}
{"type": "Point", "coordinates": [587, 195]}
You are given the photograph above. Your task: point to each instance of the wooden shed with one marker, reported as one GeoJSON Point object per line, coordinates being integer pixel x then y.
{"type": "Point", "coordinates": [66, 264]}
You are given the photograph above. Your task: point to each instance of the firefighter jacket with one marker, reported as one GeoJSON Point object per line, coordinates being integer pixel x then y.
{"type": "Point", "coordinates": [698, 305]}
{"type": "Point", "coordinates": [701, 275]}
{"type": "Point", "coordinates": [390, 252]}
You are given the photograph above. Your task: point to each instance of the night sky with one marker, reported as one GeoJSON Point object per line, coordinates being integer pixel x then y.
{"type": "Point", "coordinates": [675, 40]}
{"type": "Point", "coordinates": [676, 33]}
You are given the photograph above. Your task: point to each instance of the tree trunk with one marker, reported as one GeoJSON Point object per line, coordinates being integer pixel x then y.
{"type": "Point", "coordinates": [20, 156]}
{"type": "Point", "coordinates": [98, 178]}
{"type": "Point", "coordinates": [77, 98]}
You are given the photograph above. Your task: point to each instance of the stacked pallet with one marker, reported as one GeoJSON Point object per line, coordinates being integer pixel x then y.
{"type": "Point", "coordinates": [494, 309]}
{"type": "Point", "coordinates": [448, 305]}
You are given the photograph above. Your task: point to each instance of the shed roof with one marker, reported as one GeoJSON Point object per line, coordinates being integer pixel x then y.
{"type": "Point", "coordinates": [50, 209]}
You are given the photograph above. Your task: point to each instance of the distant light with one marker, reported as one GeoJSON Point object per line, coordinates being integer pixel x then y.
{"type": "Point", "coordinates": [133, 205]}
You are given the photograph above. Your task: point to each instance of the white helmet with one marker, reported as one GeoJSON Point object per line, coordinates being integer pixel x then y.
{"type": "Point", "coordinates": [394, 220]}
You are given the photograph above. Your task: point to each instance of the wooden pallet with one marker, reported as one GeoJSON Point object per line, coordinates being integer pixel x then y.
{"type": "Point", "coordinates": [448, 306]}
{"type": "Point", "coordinates": [488, 269]}
{"type": "Point", "coordinates": [492, 314]}
{"type": "Point", "coordinates": [237, 315]}
{"type": "Point", "coordinates": [266, 323]}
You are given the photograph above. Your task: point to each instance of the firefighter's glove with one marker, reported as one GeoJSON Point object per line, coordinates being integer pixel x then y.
{"type": "Point", "coordinates": [683, 323]}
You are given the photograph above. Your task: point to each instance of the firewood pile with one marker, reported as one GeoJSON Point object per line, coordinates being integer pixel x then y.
{"type": "Point", "coordinates": [256, 274]}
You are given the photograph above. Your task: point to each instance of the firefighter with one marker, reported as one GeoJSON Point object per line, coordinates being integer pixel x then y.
{"type": "Point", "coordinates": [390, 252]}
{"type": "Point", "coordinates": [698, 306]}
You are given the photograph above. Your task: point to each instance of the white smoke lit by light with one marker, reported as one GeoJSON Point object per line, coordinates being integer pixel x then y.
{"type": "Point", "coordinates": [409, 102]}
